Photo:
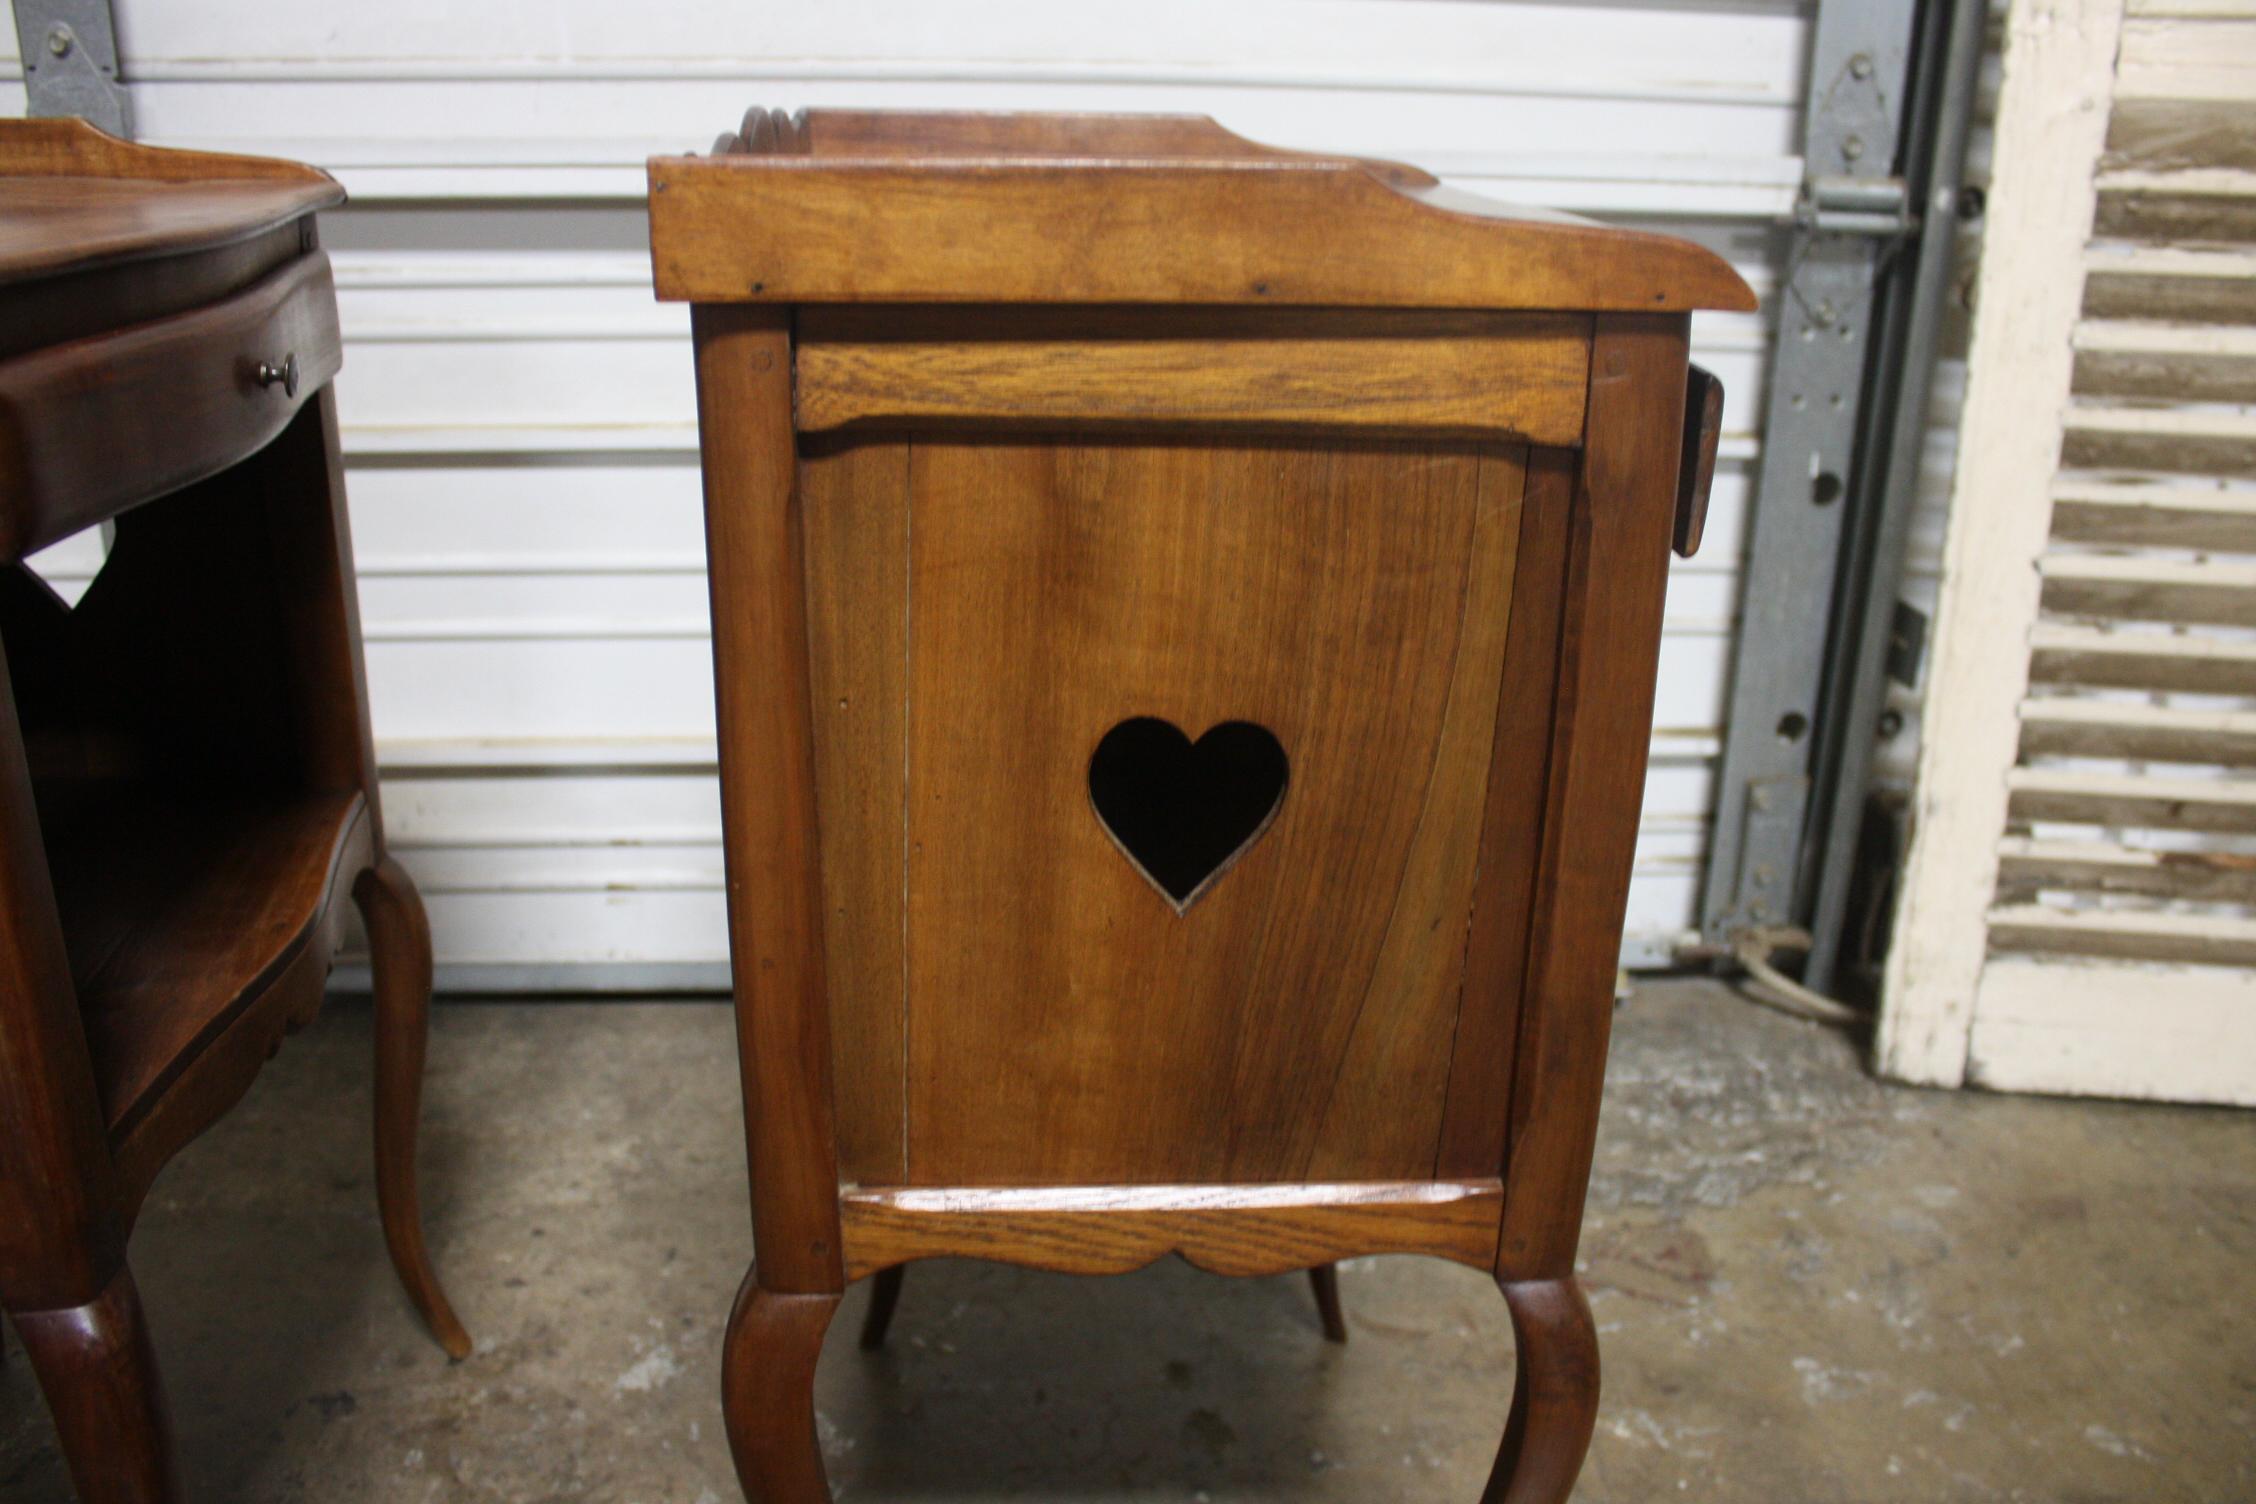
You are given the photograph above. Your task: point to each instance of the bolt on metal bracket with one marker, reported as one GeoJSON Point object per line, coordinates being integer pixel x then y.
{"type": "Point", "coordinates": [70, 62]}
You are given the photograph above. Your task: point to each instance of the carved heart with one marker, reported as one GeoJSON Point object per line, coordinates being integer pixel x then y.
{"type": "Point", "coordinates": [1182, 812]}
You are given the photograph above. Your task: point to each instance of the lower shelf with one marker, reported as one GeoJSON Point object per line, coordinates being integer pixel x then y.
{"type": "Point", "coordinates": [180, 907]}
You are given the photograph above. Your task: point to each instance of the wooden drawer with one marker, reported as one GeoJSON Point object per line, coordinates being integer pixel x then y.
{"type": "Point", "coordinates": [92, 427]}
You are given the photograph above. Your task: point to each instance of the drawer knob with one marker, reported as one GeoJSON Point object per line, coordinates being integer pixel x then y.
{"type": "Point", "coordinates": [285, 373]}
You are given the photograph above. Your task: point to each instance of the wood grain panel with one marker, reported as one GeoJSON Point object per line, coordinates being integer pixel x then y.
{"type": "Point", "coordinates": [1422, 959]}
{"type": "Point", "coordinates": [1224, 1229]}
{"type": "Point", "coordinates": [855, 504]}
{"type": "Point", "coordinates": [1066, 1026]}
{"type": "Point", "coordinates": [1471, 375]}
{"type": "Point", "coordinates": [1480, 1067]}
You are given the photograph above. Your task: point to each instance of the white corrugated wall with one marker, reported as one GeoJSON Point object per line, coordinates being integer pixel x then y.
{"type": "Point", "coordinates": [519, 419]}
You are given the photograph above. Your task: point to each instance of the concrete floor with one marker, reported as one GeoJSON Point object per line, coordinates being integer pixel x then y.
{"type": "Point", "coordinates": [1810, 1288]}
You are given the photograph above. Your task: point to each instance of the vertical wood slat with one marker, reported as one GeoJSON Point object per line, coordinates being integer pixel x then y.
{"type": "Point", "coordinates": [1425, 950]}
{"type": "Point", "coordinates": [1488, 1019]}
{"type": "Point", "coordinates": [855, 503]}
{"type": "Point", "coordinates": [1617, 569]}
{"type": "Point", "coordinates": [768, 818]}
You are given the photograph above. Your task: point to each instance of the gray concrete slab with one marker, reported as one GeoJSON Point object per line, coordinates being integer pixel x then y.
{"type": "Point", "coordinates": [1810, 1287]}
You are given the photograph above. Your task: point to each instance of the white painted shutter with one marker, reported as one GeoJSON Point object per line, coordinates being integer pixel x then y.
{"type": "Point", "coordinates": [519, 425]}
{"type": "Point", "coordinates": [2080, 911]}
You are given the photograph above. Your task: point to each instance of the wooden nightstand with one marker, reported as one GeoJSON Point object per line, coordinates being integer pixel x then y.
{"type": "Point", "coordinates": [1185, 618]}
{"type": "Point", "coordinates": [187, 783]}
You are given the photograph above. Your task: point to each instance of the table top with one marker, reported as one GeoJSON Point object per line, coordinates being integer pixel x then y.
{"type": "Point", "coordinates": [73, 198]}
{"type": "Point", "coordinates": [864, 206]}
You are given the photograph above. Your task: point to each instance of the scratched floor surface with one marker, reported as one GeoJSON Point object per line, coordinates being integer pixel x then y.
{"type": "Point", "coordinates": [1811, 1288]}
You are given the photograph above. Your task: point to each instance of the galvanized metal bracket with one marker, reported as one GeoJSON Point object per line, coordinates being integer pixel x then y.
{"type": "Point", "coordinates": [1884, 138]}
{"type": "Point", "coordinates": [70, 62]}
{"type": "Point", "coordinates": [1851, 210]}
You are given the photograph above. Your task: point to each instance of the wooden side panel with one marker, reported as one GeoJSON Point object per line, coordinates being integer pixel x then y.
{"type": "Point", "coordinates": [1422, 959]}
{"type": "Point", "coordinates": [855, 504]}
{"type": "Point", "coordinates": [1610, 638]}
{"type": "Point", "coordinates": [1065, 1024]}
{"type": "Point", "coordinates": [1480, 1067]}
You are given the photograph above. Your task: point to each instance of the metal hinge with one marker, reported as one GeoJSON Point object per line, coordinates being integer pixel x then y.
{"type": "Point", "coordinates": [1846, 205]}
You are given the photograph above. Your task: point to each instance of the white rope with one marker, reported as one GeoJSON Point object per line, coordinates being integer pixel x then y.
{"type": "Point", "coordinates": [1767, 985]}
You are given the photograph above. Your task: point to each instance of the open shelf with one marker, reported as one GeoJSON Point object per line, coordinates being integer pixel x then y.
{"type": "Point", "coordinates": [181, 906]}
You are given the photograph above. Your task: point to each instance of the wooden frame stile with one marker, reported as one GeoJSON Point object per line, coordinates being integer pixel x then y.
{"type": "Point", "coordinates": [1622, 517]}
{"type": "Point", "coordinates": [775, 905]}
{"type": "Point", "coordinates": [1564, 435]}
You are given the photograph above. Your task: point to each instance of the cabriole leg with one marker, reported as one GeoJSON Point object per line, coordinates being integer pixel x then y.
{"type": "Point", "coordinates": [1554, 1399]}
{"type": "Point", "coordinates": [99, 1373]}
{"type": "Point", "coordinates": [768, 1393]}
{"type": "Point", "coordinates": [1324, 1280]}
{"type": "Point", "coordinates": [399, 942]}
{"type": "Point", "coordinates": [885, 1294]}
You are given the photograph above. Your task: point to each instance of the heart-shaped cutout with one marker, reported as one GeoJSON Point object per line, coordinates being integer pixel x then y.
{"type": "Point", "coordinates": [1183, 811]}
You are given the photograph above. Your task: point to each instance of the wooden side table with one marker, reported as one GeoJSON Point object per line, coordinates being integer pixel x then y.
{"type": "Point", "coordinates": [187, 783]}
{"type": "Point", "coordinates": [1185, 619]}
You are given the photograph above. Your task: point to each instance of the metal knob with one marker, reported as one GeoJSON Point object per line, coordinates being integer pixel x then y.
{"type": "Point", "coordinates": [286, 373]}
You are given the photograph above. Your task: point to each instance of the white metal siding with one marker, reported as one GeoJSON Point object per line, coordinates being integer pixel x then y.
{"type": "Point", "coordinates": [519, 423]}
